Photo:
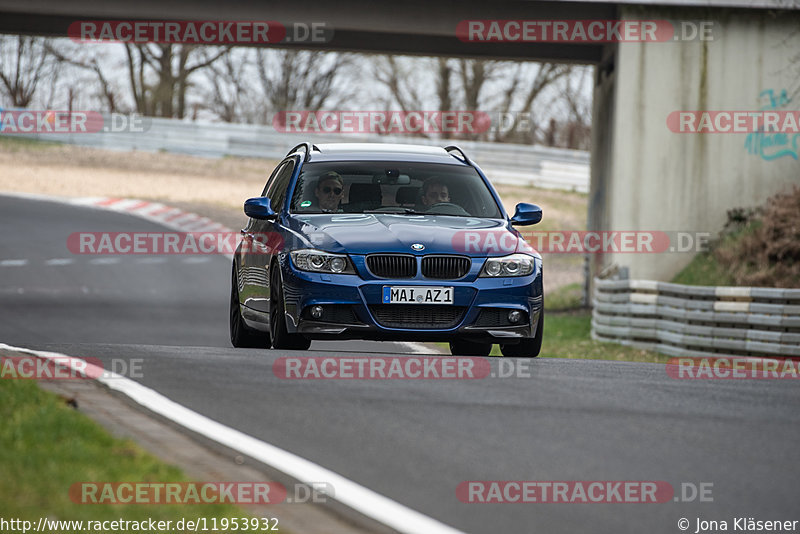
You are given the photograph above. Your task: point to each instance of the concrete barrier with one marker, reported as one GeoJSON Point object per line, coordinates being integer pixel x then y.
{"type": "Point", "coordinates": [681, 320]}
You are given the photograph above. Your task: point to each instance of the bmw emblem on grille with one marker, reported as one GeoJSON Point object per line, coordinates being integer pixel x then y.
{"type": "Point", "coordinates": [418, 247]}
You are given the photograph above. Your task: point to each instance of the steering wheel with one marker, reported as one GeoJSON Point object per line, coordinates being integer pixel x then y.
{"type": "Point", "coordinates": [449, 209]}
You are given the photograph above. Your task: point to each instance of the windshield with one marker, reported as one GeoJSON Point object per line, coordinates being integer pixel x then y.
{"type": "Point", "coordinates": [392, 187]}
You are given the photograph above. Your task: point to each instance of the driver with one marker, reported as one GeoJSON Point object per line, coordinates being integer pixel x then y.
{"type": "Point", "coordinates": [329, 192]}
{"type": "Point", "coordinates": [434, 191]}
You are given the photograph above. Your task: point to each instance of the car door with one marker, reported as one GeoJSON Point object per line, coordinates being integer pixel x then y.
{"type": "Point", "coordinates": [262, 239]}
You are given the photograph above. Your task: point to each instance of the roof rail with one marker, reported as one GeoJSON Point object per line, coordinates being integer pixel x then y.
{"type": "Point", "coordinates": [308, 147]}
{"type": "Point", "coordinates": [452, 148]}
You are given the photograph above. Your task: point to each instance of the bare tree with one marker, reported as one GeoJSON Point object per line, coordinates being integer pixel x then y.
{"type": "Point", "coordinates": [248, 85]}
{"type": "Point", "coordinates": [510, 89]}
{"type": "Point", "coordinates": [169, 66]}
{"type": "Point", "coordinates": [87, 60]}
{"type": "Point", "coordinates": [299, 79]}
{"type": "Point", "coordinates": [444, 84]}
{"type": "Point", "coordinates": [521, 94]}
{"type": "Point", "coordinates": [571, 121]}
{"type": "Point", "coordinates": [400, 81]}
{"type": "Point", "coordinates": [403, 81]}
{"type": "Point", "coordinates": [474, 74]}
{"type": "Point", "coordinates": [579, 108]}
{"type": "Point", "coordinates": [229, 91]}
{"type": "Point", "coordinates": [24, 63]}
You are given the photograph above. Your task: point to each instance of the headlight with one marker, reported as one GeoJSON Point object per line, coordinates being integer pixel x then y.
{"type": "Point", "coordinates": [513, 265]}
{"type": "Point", "coordinates": [322, 262]}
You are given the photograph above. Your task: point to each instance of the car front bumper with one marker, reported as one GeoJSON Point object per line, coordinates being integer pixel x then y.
{"type": "Point", "coordinates": [483, 304]}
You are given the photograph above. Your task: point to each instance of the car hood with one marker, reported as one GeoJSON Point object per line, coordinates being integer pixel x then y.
{"type": "Point", "coordinates": [356, 233]}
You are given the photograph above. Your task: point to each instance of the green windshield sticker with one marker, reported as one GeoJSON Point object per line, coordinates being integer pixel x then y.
{"type": "Point", "coordinates": [305, 203]}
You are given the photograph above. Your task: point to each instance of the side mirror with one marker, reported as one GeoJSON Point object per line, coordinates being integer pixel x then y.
{"type": "Point", "coordinates": [259, 208]}
{"type": "Point", "coordinates": [526, 214]}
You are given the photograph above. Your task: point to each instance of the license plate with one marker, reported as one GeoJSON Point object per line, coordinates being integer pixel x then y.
{"type": "Point", "coordinates": [417, 295]}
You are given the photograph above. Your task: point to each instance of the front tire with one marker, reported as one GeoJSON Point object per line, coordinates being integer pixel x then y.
{"type": "Point", "coordinates": [469, 348]}
{"type": "Point", "coordinates": [242, 336]}
{"type": "Point", "coordinates": [527, 348]}
{"type": "Point", "coordinates": [281, 338]}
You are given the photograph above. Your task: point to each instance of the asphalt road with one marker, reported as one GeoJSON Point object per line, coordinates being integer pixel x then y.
{"type": "Point", "coordinates": [411, 440]}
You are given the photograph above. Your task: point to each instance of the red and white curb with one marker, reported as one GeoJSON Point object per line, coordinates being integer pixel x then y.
{"type": "Point", "coordinates": [174, 218]}
{"type": "Point", "coordinates": [351, 494]}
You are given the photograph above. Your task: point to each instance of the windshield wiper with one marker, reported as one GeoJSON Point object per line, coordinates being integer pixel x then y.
{"type": "Point", "coordinates": [406, 211]}
{"type": "Point", "coordinates": [447, 214]}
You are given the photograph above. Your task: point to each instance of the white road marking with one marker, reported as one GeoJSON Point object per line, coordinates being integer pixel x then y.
{"type": "Point", "coordinates": [198, 225]}
{"type": "Point", "coordinates": [359, 498]}
{"type": "Point", "coordinates": [419, 348]}
{"type": "Point", "coordinates": [189, 260]}
{"type": "Point", "coordinates": [126, 204]}
{"type": "Point", "coordinates": [150, 208]}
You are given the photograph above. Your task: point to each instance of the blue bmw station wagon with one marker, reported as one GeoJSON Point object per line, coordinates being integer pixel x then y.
{"type": "Point", "coordinates": [385, 242]}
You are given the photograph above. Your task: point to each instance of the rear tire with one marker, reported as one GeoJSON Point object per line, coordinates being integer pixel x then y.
{"type": "Point", "coordinates": [242, 336]}
{"type": "Point", "coordinates": [281, 338]}
{"type": "Point", "coordinates": [469, 348]}
{"type": "Point", "coordinates": [527, 348]}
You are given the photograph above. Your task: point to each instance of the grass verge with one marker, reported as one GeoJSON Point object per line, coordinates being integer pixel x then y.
{"type": "Point", "coordinates": [566, 297]}
{"type": "Point", "coordinates": [568, 335]}
{"type": "Point", "coordinates": [48, 446]}
{"type": "Point", "coordinates": [704, 270]}
{"type": "Point", "coordinates": [568, 332]}
{"type": "Point", "coordinates": [9, 143]}
{"type": "Point", "coordinates": [758, 247]}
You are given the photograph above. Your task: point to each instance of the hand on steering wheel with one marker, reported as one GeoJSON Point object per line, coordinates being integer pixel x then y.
{"type": "Point", "coordinates": [457, 209]}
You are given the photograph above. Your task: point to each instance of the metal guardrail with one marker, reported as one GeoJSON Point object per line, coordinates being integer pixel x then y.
{"type": "Point", "coordinates": [681, 320]}
{"type": "Point", "coordinates": [504, 163]}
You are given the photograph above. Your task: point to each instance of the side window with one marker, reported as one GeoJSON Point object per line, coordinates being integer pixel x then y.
{"type": "Point", "coordinates": [272, 177]}
{"type": "Point", "coordinates": [276, 189]}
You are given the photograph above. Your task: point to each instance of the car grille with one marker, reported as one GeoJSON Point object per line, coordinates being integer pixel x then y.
{"type": "Point", "coordinates": [445, 267]}
{"type": "Point", "coordinates": [417, 316]}
{"type": "Point", "coordinates": [392, 265]}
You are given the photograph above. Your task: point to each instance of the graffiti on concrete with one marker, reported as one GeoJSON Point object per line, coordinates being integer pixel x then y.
{"type": "Point", "coordinates": [773, 145]}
